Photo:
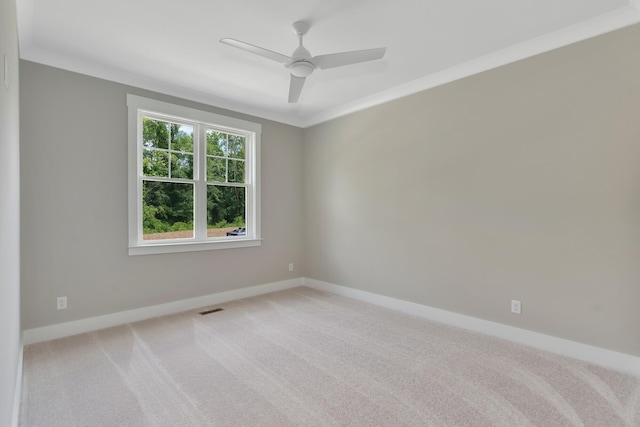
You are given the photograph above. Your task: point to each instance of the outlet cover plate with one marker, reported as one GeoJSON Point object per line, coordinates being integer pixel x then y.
{"type": "Point", "coordinates": [516, 307]}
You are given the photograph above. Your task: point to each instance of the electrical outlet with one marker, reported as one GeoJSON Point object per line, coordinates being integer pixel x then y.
{"type": "Point", "coordinates": [291, 267]}
{"type": "Point", "coordinates": [62, 303]}
{"type": "Point", "coordinates": [516, 306]}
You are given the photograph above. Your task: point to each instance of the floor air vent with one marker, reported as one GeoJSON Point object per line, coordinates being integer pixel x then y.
{"type": "Point", "coordinates": [214, 310]}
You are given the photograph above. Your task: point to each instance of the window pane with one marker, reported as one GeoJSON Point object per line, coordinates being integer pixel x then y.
{"type": "Point", "coordinates": [236, 170]}
{"type": "Point", "coordinates": [155, 133]}
{"type": "Point", "coordinates": [216, 169]}
{"type": "Point", "coordinates": [167, 210]}
{"type": "Point", "coordinates": [216, 143]}
{"type": "Point", "coordinates": [236, 146]}
{"type": "Point", "coordinates": [182, 138]}
{"type": "Point", "coordinates": [155, 163]}
{"type": "Point", "coordinates": [225, 211]}
{"type": "Point", "coordinates": [222, 142]}
{"type": "Point", "coordinates": [182, 166]}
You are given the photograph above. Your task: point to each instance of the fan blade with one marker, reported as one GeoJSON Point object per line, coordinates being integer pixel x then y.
{"type": "Point", "coordinates": [295, 88]}
{"type": "Point", "coordinates": [347, 58]}
{"type": "Point", "coordinates": [269, 54]}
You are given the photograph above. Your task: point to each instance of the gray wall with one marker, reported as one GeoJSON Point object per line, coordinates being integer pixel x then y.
{"type": "Point", "coordinates": [9, 213]}
{"type": "Point", "coordinates": [519, 183]}
{"type": "Point", "coordinates": [74, 207]}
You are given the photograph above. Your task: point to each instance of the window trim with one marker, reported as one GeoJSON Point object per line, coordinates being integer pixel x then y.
{"type": "Point", "coordinates": [136, 105]}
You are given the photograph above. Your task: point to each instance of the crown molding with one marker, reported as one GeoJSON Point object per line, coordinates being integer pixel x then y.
{"type": "Point", "coordinates": [600, 25]}
{"type": "Point", "coordinates": [105, 72]}
{"type": "Point", "coordinates": [585, 30]}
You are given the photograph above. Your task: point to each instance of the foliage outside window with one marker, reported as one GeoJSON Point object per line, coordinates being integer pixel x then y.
{"type": "Point", "coordinates": [193, 179]}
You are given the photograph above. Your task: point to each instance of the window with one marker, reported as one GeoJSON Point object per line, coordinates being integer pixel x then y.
{"type": "Point", "coordinates": [193, 179]}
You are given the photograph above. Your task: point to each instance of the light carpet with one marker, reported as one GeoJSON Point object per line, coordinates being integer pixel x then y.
{"type": "Point", "coordinates": [308, 358]}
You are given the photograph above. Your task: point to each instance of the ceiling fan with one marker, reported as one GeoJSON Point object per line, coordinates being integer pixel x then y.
{"type": "Point", "coordinates": [301, 64]}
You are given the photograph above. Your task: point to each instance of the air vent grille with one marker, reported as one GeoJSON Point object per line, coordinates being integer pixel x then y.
{"type": "Point", "coordinates": [213, 310]}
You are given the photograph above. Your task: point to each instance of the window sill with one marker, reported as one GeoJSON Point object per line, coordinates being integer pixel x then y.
{"type": "Point", "coordinates": [166, 248]}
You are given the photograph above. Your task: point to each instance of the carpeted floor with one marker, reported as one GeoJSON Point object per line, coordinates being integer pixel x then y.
{"type": "Point", "coordinates": [307, 358]}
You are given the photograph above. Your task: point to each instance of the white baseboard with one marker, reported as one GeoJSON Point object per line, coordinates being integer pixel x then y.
{"type": "Point", "coordinates": [60, 330]}
{"type": "Point", "coordinates": [614, 360]}
{"type": "Point", "coordinates": [17, 396]}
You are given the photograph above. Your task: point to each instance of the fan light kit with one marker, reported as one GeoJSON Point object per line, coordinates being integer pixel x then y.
{"type": "Point", "coordinates": [301, 68]}
{"type": "Point", "coordinates": [301, 64]}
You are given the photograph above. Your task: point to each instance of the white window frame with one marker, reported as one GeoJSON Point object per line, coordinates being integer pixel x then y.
{"type": "Point", "coordinates": [201, 120]}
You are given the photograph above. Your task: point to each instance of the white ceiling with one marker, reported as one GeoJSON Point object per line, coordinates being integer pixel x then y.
{"type": "Point", "coordinates": [172, 47]}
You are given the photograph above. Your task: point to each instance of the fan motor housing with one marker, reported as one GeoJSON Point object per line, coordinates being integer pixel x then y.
{"type": "Point", "coordinates": [301, 68]}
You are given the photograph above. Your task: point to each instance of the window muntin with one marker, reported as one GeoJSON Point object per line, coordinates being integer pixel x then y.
{"type": "Point", "coordinates": [225, 157]}
{"type": "Point", "coordinates": [193, 182]}
{"type": "Point", "coordinates": [167, 149]}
